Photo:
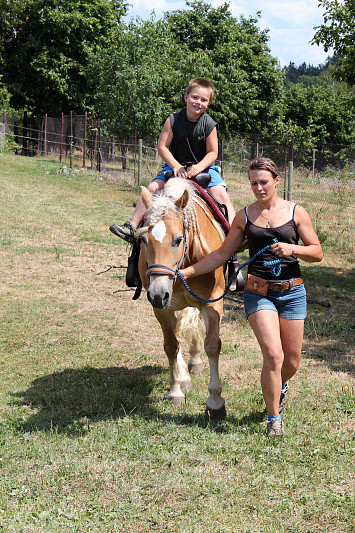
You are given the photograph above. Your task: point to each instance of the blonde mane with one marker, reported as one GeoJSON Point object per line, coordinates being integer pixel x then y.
{"type": "Point", "coordinates": [164, 203]}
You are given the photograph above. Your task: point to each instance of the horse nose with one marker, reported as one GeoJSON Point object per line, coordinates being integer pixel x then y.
{"type": "Point", "coordinates": [158, 301]}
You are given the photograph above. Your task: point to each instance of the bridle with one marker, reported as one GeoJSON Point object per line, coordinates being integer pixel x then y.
{"type": "Point", "coordinates": [163, 270]}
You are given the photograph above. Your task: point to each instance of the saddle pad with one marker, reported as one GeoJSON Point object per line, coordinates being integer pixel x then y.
{"type": "Point", "coordinates": [218, 215]}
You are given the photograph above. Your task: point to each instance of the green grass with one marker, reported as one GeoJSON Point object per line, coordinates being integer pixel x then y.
{"type": "Point", "coordinates": [88, 441]}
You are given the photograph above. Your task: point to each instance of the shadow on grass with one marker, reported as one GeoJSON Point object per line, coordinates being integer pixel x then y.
{"type": "Point", "coordinates": [325, 277]}
{"type": "Point", "coordinates": [68, 402]}
{"type": "Point", "coordinates": [330, 332]}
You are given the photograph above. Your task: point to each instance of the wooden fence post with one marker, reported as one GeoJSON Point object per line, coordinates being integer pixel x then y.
{"type": "Point", "coordinates": [45, 134]}
{"type": "Point", "coordinates": [85, 133]}
{"type": "Point", "coordinates": [222, 157]}
{"type": "Point", "coordinates": [61, 139]}
{"type": "Point", "coordinates": [140, 150]}
{"type": "Point", "coordinates": [71, 140]}
{"type": "Point", "coordinates": [289, 181]}
{"type": "Point", "coordinates": [313, 164]}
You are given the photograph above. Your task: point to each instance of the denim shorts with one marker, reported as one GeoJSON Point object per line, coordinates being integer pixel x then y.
{"type": "Point", "coordinates": [291, 303]}
{"type": "Point", "coordinates": [213, 171]}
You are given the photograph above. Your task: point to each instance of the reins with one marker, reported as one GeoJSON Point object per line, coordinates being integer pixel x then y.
{"type": "Point", "coordinates": [163, 270]}
{"type": "Point", "coordinates": [276, 270]}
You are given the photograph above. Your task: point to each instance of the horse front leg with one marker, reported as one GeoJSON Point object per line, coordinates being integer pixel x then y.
{"type": "Point", "coordinates": [178, 375]}
{"type": "Point", "coordinates": [215, 404]}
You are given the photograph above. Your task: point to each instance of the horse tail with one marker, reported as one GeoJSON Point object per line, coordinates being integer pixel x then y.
{"type": "Point", "coordinates": [189, 325]}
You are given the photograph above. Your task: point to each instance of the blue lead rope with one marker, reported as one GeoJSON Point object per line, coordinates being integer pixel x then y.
{"type": "Point", "coordinates": [276, 271]}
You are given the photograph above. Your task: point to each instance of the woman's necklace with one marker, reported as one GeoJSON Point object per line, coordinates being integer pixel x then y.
{"type": "Point", "coordinates": [266, 218]}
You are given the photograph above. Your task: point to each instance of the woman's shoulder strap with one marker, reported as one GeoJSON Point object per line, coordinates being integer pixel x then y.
{"type": "Point", "coordinates": [292, 210]}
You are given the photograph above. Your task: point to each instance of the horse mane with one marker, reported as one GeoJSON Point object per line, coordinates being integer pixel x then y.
{"type": "Point", "coordinates": [164, 203]}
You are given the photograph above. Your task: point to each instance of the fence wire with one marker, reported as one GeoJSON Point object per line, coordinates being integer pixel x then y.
{"type": "Point", "coordinates": [323, 181]}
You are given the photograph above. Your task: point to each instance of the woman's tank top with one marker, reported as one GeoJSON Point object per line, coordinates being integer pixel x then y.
{"type": "Point", "coordinates": [259, 237]}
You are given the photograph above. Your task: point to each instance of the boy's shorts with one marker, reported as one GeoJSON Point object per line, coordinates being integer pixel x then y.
{"type": "Point", "coordinates": [291, 303]}
{"type": "Point", "coordinates": [213, 171]}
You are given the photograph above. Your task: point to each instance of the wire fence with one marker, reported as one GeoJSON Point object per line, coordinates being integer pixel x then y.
{"type": "Point", "coordinates": [322, 181]}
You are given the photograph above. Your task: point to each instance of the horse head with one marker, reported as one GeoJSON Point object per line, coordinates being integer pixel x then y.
{"type": "Point", "coordinates": [164, 241]}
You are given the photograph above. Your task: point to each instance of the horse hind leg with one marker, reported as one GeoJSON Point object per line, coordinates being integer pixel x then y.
{"type": "Point", "coordinates": [190, 327]}
{"type": "Point", "coordinates": [185, 380]}
{"type": "Point", "coordinates": [178, 373]}
{"type": "Point", "coordinates": [195, 363]}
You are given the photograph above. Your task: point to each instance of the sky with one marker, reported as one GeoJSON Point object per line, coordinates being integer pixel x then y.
{"type": "Point", "coordinates": [290, 22]}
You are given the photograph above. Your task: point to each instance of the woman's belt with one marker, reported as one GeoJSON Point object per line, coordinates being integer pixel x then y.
{"type": "Point", "coordinates": [284, 285]}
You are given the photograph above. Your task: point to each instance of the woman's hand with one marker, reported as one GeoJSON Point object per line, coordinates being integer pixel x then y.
{"type": "Point", "coordinates": [185, 273]}
{"type": "Point", "coordinates": [282, 249]}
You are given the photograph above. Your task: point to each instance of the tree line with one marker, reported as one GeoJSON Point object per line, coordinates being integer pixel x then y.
{"type": "Point", "coordinates": [58, 56]}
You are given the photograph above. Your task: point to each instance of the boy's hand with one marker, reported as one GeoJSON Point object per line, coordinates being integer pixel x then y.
{"type": "Point", "coordinates": [193, 171]}
{"type": "Point", "coordinates": [180, 172]}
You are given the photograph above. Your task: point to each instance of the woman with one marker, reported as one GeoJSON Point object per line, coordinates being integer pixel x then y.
{"type": "Point", "coordinates": [274, 297]}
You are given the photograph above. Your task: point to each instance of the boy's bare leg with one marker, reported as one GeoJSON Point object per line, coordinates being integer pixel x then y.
{"type": "Point", "coordinates": [127, 230]}
{"type": "Point", "coordinates": [154, 186]}
{"type": "Point", "coordinates": [220, 194]}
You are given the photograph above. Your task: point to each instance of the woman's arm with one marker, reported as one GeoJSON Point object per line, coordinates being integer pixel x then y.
{"type": "Point", "coordinates": [219, 257]}
{"type": "Point", "coordinates": [210, 157]}
{"type": "Point", "coordinates": [311, 252]}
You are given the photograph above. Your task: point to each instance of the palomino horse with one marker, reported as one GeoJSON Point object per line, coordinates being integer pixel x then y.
{"type": "Point", "coordinates": [179, 230]}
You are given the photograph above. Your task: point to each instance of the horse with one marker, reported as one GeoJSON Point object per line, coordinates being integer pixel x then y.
{"type": "Point", "coordinates": [179, 230]}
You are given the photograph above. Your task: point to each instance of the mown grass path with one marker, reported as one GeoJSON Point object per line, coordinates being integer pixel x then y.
{"type": "Point", "coordinates": [88, 441]}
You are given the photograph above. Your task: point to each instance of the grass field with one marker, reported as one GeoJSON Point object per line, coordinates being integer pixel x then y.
{"type": "Point", "coordinates": [88, 442]}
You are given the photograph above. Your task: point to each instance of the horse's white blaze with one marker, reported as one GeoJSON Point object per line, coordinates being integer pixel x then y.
{"type": "Point", "coordinates": [159, 231]}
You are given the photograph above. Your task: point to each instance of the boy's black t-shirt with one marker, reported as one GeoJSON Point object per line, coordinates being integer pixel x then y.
{"type": "Point", "coordinates": [189, 138]}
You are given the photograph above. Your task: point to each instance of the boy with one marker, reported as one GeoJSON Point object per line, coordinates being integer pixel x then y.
{"type": "Point", "coordinates": [188, 135]}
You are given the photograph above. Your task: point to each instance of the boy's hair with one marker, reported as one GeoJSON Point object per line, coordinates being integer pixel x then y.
{"type": "Point", "coordinates": [263, 163]}
{"type": "Point", "coordinates": [200, 82]}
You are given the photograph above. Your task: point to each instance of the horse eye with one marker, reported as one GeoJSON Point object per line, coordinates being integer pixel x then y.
{"type": "Point", "coordinates": [177, 241]}
{"type": "Point", "coordinates": [144, 240]}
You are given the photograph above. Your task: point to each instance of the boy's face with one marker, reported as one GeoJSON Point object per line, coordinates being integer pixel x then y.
{"type": "Point", "coordinates": [197, 101]}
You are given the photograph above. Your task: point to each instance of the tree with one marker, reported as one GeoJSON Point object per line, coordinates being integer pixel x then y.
{"type": "Point", "coordinates": [47, 54]}
{"type": "Point", "coordinates": [247, 78]}
{"type": "Point", "coordinates": [10, 21]}
{"type": "Point", "coordinates": [338, 33]}
{"type": "Point", "coordinates": [137, 80]}
{"type": "Point", "coordinates": [325, 112]}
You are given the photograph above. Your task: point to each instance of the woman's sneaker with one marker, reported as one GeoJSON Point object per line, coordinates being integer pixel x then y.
{"type": "Point", "coordinates": [283, 396]}
{"type": "Point", "coordinates": [275, 428]}
{"type": "Point", "coordinates": [127, 231]}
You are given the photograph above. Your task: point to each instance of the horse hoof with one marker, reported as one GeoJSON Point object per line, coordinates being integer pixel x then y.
{"type": "Point", "coordinates": [176, 400]}
{"type": "Point", "coordinates": [215, 414]}
{"type": "Point", "coordinates": [186, 385]}
{"type": "Point", "coordinates": [195, 370]}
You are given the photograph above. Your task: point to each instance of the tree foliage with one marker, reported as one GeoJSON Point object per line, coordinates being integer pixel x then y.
{"type": "Point", "coordinates": [247, 78]}
{"type": "Point", "coordinates": [134, 80]}
{"type": "Point", "coordinates": [338, 33]}
{"type": "Point", "coordinates": [77, 55]}
{"type": "Point", "coordinates": [46, 53]}
{"type": "Point", "coordinates": [322, 112]}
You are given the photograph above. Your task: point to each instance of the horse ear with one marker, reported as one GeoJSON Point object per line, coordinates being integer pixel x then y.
{"type": "Point", "coordinates": [181, 203]}
{"type": "Point", "coordinates": [146, 197]}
